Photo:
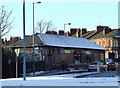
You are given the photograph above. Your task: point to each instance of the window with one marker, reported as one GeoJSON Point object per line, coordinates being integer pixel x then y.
{"type": "Point", "coordinates": [116, 54]}
{"type": "Point", "coordinates": [111, 43]}
{"type": "Point", "coordinates": [116, 43]}
{"type": "Point", "coordinates": [88, 52]}
{"type": "Point", "coordinates": [103, 44]}
{"type": "Point", "coordinates": [67, 51]}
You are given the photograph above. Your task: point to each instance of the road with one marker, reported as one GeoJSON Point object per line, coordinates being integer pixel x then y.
{"type": "Point", "coordinates": [103, 74]}
{"type": "Point", "coordinates": [83, 74]}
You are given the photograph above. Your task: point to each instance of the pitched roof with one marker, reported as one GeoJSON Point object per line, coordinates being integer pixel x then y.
{"type": "Point", "coordinates": [28, 42]}
{"type": "Point", "coordinates": [68, 41]}
{"type": "Point", "coordinates": [112, 33]}
{"type": "Point", "coordinates": [89, 34]}
{"type": "Point", "coordinates": [58, 41]}
{"type": "Point", "coordinates": [95, 35]}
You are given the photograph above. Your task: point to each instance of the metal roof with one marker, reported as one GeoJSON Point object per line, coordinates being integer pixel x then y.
{"type": "Point", "coordinates": [68, 41]}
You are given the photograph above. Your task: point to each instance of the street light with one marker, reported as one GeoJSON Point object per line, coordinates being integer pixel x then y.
{"type": "Point", "coordinates": [66, 24]}
{"type": "Point", "coordinates": [34, 38]}
{"type": "Point", "coordinates": [24, 57]}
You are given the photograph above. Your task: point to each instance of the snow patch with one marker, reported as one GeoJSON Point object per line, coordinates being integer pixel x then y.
{"type": "Point", "coordinates": [60, 81]}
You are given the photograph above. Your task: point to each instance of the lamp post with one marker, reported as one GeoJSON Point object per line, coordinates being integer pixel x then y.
{"type": "Point", "coordinates": [34, 39]}
{"type": "Point", "coordinates": [24, 57]}
{"type": "Point", "coordinates": [66, 24]}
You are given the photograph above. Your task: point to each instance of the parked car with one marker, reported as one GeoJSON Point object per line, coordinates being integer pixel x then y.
{"type": "Point", "coordinates": [93, 66]}
{"type": "Point", "coordinates": [111, 66]}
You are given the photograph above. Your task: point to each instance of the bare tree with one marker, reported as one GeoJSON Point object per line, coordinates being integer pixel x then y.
{"type": "Point", "coordinates": [45, 26]}
{"type": "Point", "coordinates": [5, 24]}
{"type": "Point", "coordinates": [41, 26]}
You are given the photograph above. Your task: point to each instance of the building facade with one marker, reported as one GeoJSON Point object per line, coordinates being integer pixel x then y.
{"type": "Point", "coordinates": [54, 49]}
{"type": "Point", "coordinates": [105, 37]}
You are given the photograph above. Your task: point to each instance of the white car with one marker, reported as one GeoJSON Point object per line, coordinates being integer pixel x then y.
{"type": "Point", "coordinates": [93, 66]}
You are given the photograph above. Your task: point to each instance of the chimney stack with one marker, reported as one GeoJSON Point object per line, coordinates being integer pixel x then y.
{"type": "Point", "coordinates": [100, 28]}
{"type": "Point", "coordinates": [73, 31]}
{"type": "Point", "coordinates": [67, 33]}
{"type": "Point", "coordinates": [106, 30]}
{"type": "Point", "coordinates": [83, 31]}
{"type": "Point", "coordinates": [61, 32]}
{"type": "Point", "coordinates": [78, 32]}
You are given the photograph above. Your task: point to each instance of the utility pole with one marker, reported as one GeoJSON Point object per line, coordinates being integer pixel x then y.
{"type": "Point", "coordinates": [24, 56]}
{"type": "Point", "coordinates": [33, 40]}
{"type": "Point", "coordinates": [33, 44]}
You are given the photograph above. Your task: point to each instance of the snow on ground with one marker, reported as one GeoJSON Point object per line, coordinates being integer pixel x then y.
{"type": "Point", "coordinates": [76, 74]}
{"type": "Point", "coordinates": [37, 73]}
{"type": "Point", "coordinates": [71, 73]}
{"type": "Point", "coordinates": [60, 81]}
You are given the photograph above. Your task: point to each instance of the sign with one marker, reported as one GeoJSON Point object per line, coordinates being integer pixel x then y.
{"type": "Point", "coordinates": [17, 51]}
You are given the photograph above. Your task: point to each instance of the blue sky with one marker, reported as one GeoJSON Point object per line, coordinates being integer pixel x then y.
{"type": "Point", "coordinates": [79, 14]}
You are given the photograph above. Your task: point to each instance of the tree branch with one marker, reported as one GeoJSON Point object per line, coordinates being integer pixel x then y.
{"type": "Point", "coordinates": [42, 25]}
{"type": "Point", "coordinates": [5, 24]}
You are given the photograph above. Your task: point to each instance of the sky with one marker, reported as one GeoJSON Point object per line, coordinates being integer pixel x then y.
{"type": "Point", "coordinates": [81, 14]}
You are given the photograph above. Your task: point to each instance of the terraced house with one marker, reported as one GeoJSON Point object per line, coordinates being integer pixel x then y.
{"type": "Point", "coordinates": [108, 38]}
